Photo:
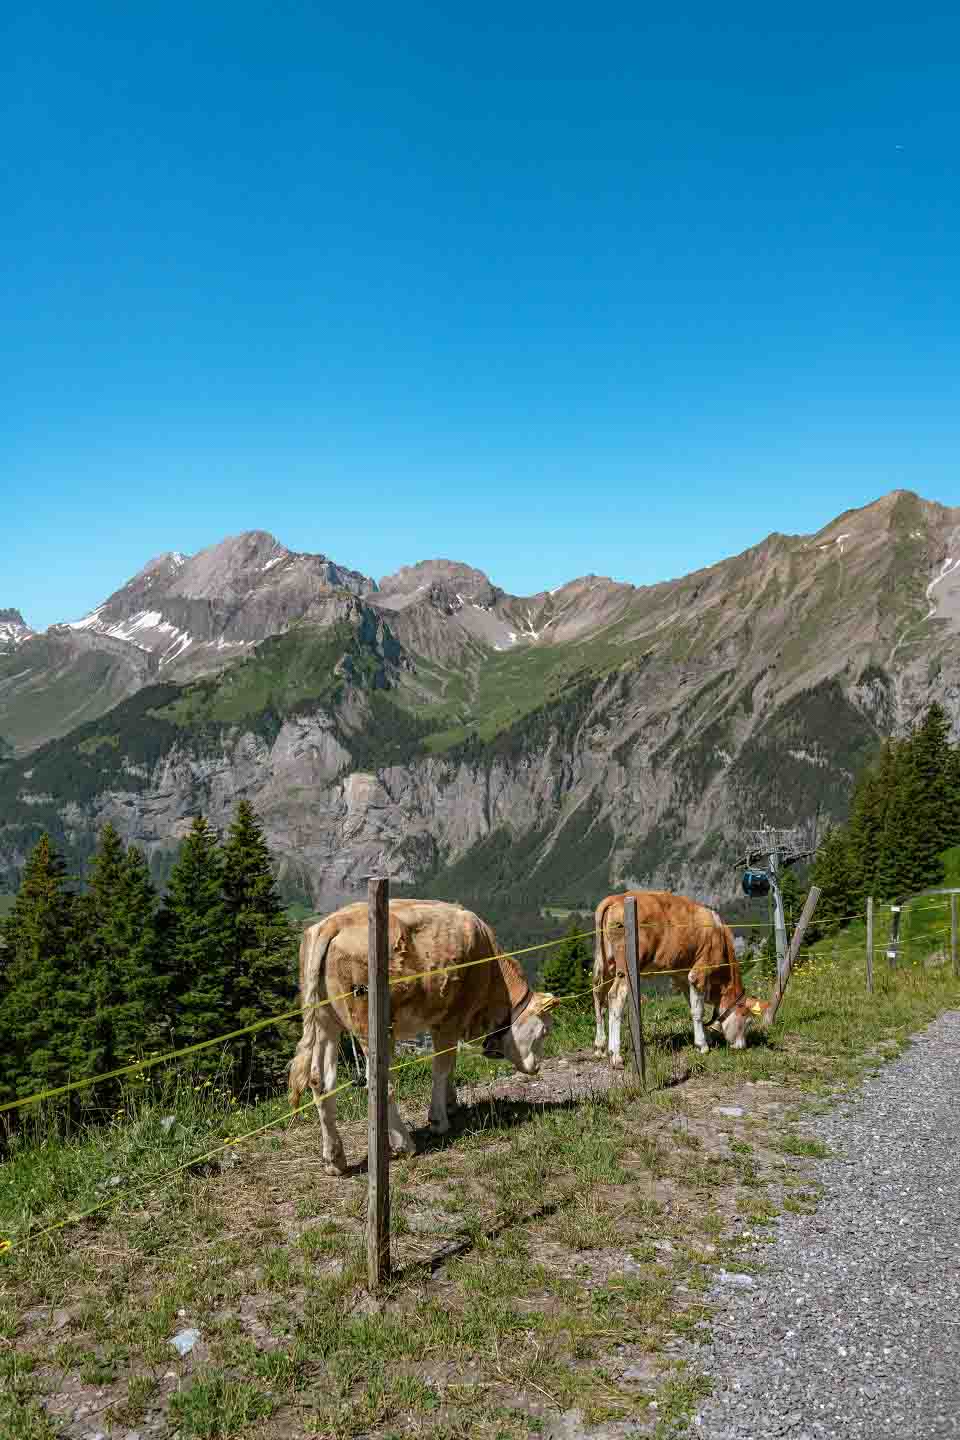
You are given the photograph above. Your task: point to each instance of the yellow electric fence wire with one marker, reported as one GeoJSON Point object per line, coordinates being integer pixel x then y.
{"type": "Point", "coordinates": [154, 1180]}
{"type": "Point", "coordinates": [150, 1062]}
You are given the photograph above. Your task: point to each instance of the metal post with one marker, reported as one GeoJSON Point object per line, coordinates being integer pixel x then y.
{"type": "Point", "coordinates": [378, 1052]}
{"type": "Point", "coordinates": [783, 979]}
{"type": "Point", "coordinates": [893, 945]}
{"type": "Point", "coordinates": [779, 919]}
{"type": "Point", "coordinates": [953, 935]}
{"type": "Point", "coordinates": [870, 943]}
{"type": "Point", "coordinates": [633, 985]}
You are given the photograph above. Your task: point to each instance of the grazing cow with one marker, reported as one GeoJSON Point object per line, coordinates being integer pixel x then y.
{"type": "Point", "coordinates": [461, 1004]}
{"type": "Point", "coordinates": [678, 936]}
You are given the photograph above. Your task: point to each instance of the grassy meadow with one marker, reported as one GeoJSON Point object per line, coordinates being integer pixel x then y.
{"type": "Point", "coordinates": [553, 1254]}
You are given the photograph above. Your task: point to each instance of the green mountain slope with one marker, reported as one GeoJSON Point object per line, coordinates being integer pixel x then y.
{"type": "Point", "coordinates": [515, 751]}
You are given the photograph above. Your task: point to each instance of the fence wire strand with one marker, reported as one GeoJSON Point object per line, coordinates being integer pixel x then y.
{"type": "Point", "coordinates": [150, 1062]}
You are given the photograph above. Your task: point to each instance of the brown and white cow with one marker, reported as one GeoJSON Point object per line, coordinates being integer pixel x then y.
{"type": "Point", "coordinates": [424, 936]}
{"type": "Point", "coordinates": [683, 938]}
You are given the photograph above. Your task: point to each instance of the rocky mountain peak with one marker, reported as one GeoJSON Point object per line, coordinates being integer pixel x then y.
{"type": "Point", "coordinates": [13, 629]}
{"type": "Point", "coordinates": [196, 613]}
{"type": "Point", "coordinates": [444, 578]}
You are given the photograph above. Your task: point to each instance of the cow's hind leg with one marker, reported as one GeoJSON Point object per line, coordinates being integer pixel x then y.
{"type": "Point", "coordinates": [401, 1141]}
{"type": "Point", "coordinates": [444, 1096]}
{"type": "Point", "coordinates": [323, 1078]}
{"type": "Point", "coordinates": [600, 1038]}
{"type": "Point", "coordinates": [696, 1011]}
{"type": "Point", "coordinates": [616, 1001]}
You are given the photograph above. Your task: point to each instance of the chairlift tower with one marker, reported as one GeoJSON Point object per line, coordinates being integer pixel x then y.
{"type": "Point", "coordinates": [771, 851]}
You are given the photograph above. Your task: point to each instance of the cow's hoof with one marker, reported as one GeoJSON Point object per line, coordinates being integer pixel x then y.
{"type": "Point", "coordinates": [704, 1048]}
{"type": "Point", "coordinates": [335, 1164]}
{"type": "Point", "coordinates": [616, 1062]}
{"type": "Point", "coordinates": [402, 1145]}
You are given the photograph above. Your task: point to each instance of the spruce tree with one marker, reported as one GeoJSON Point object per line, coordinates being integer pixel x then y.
{"type": "Point", "coordinates": [916, 819]}
{"type": "Point", "coordinates": [865, 832]}
{"type": "Point", "coordinates": [929, 761]}
{"type": "Point", "coordinates": [196, 943]}
{"type": "Point", "coordinates": [792, 897]}
{"type": "Point", "coordinates": [261, 970]}
{"type": "Point", "coordinates": [121, 974]}
{"type": "Point", "coordinates": [568, 970]}
{"type": "Point", "coordinates": [832, 873]}
{"type": "Point", "coordinates": [42, 1000]}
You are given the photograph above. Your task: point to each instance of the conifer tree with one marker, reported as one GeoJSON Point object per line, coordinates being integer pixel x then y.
{"type": "Point", "coordinates": [121, 974]}
{"type": "Point", "coordinates": [865, 832]}
{"type": "Point", "coordinates": [792, 897]}
{"type": "Point", "coordinates": [832, 872]}
{"type": "Point", "coordinates": [261, 970]}
{"type": "Point", "coordinates": [196, 942]}
{"type": "Point", "coordinates": [568, 971]}
{"type": "Point", "coordinates": [929, 761]}
{"type": "Point", "coordinates": [41, 1002]}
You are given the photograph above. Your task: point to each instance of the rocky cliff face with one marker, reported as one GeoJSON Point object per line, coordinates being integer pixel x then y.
{"type": "Point", "coordinates": [596, 735]}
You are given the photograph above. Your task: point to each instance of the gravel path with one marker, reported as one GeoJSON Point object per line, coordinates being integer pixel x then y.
{"type": "Point", "coordinates": [854, 1327]}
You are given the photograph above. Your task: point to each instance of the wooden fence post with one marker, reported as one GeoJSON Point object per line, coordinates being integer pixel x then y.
{"type": "Point", "coordinates": [378, 1053]}
{"type": "Point", "coordinates": [870, 944]}
{"type": "Point", "coordinates": [783, 979]}
{"type": "Point", "coordinates": [633, 985]}
{"type": "Point", "coordinates": [953, 935]}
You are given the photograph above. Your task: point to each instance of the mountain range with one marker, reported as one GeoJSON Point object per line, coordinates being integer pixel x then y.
{"type": "Point", "coordinates": [484, 746]}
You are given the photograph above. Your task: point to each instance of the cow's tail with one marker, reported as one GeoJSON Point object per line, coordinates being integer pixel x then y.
{"type": "Point", "coordinates": [599, 958]}
{"type": "Point", "coordinates": [313, 991]}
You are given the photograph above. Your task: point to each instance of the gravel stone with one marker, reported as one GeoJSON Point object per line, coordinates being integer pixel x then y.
{"type": "Point", "coordinates": [736, 1112]}
{"type": "Point", "coordinates": [735, 1280]}
{"type": "Point", "coordinates": [184, 1341]}
{"type": "Point", "coordinates": [852, 1330]}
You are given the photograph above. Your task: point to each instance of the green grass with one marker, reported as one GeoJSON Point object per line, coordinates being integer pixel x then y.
{"type": "Point", "coordinates": [535, 1198]}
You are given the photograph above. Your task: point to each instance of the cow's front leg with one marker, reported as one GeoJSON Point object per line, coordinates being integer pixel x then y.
{"type": "Point", "coordinates": [444, 1095]}
{"type": "Point", "coordinates": [696, 1010]}
{"type": "Point", "coordinates": [616, 1001]}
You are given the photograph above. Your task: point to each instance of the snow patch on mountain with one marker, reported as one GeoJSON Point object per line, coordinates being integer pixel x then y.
{"type": "Point", "coordinates": [13, 629]}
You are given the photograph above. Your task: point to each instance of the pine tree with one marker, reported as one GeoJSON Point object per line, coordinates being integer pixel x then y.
{"type": "Point", "coordinates": [832, 873]}
{"type": "Point", "coordinates": [261, 948]}
{"type": "Point", "coordinates": [41, 1002]}
{"type": "Point", "coordinates": [568, 970]}
{"type": "Point", "coordinates": [792, 897]}
{"type": "Point", "coordinates": [865, 832]}
{"type": "Point", "coordinates": [121, 973]}
{"type": "Point", "coordinates": [916, 819]}
{"type": "Point", "coordinates": [196, 937]}
{"type": "Point", "coordinates": [929, 762]}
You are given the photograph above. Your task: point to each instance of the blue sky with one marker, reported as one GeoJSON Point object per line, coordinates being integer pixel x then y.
{"type": "Point", "coordinates": [549, 288]}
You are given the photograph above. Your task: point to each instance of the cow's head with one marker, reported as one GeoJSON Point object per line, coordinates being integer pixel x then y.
{"type": "Point", "coordinates": [521, 1040]}
{"type": "Point", "coordinates": [734, 1022]}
